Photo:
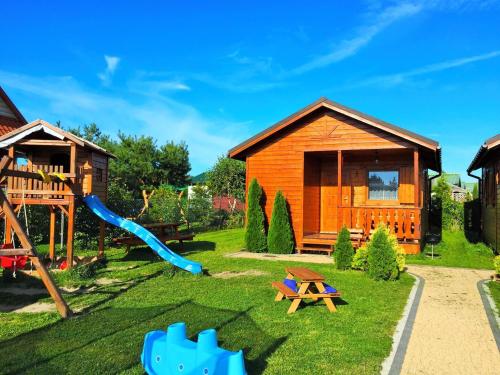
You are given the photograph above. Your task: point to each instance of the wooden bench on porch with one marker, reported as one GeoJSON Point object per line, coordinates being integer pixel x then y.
{"type": "Point", "coordinates": [163, 231]}
{"type": "Point", "coordinates": [322, 242]}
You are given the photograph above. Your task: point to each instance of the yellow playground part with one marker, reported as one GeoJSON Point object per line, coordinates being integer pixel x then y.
{"type": "Point", "coordinates": [48, 177]}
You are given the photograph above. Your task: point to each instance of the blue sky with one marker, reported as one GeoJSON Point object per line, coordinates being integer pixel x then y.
{"type": "Point", "coordinates": [214, 73]}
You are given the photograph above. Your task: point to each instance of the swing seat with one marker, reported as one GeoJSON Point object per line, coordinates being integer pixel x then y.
{"type": "Point", "coordinates": [13, 261]}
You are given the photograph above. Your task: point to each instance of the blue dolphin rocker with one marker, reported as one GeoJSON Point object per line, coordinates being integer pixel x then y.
{"type": "Point", "coordinates": [171, 352]}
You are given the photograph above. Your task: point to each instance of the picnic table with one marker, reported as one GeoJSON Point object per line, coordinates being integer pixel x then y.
{"type": "Point", "coordinates": [310, 286]}
{"type": "Point", "coordinates": [163, 231]}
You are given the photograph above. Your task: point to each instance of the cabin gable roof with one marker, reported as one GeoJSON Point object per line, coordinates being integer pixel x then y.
{"type": "Point", "coordinates": [43, 126]}
{"type": "Point", "coordinates": [240, 151]}
{"type": "Point", "coordinates": [10, 117]}
{"type": "Point", "coordinates": [490, 145]}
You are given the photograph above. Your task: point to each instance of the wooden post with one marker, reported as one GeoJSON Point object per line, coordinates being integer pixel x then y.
{"type": "Point", "coordinates": [71, 232]}
{"type": "Point", "coordinates": [52, 234]}
{"type": "Point", "coordinates": [54, 292]}
{"type": "Point", "coordinates": [102, 233]}
{"type": "Point", "coordinates": [8, 226]}
{"type": "Point", "coordinates": [71, 209]}
{"type": "Point", "coordinates": [339, 190]}
{"type": "Point", "coordinates": [416, 179]}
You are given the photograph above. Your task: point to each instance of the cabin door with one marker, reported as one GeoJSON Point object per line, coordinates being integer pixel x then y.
{"type": "Point", "coordinates": [328, 205]}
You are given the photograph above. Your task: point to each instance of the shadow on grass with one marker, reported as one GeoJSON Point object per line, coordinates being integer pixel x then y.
{"type": "Point", "coordinates": [191, 247]}
{"type": "Point", "coordinates": [144, 253]}
{"type": "Point", "coordinates": [110, 292]}
{"type": "Point", "coordinates": [110, 340]}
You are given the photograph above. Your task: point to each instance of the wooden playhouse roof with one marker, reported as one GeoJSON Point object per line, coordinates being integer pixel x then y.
{"type": "Point", "coordinates": [16, 135]}
{"type": "Point", "coordinates": [490, 145]}
{"type": "Point", "coordinates": [10, 117]}
{"type": "Point", "coordinates": [239, 151]}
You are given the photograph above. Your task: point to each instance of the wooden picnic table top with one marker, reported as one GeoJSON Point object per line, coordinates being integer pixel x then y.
{"type": "Point", "coordinates": [162, 225]}
{"type": "Point", "coordinates": [305, 274]}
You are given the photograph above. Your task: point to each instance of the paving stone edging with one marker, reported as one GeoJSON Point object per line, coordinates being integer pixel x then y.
{"type": "Point", "coordinates": [394, 362]}
{"type": "Point", "coordinates": [490, 309]}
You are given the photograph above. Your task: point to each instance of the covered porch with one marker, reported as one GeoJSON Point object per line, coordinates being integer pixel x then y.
{"type": "Point", "coordinates": [376, 186]}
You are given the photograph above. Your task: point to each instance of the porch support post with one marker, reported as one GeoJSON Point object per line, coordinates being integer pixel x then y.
{"type": "Point", "coordinates": [339, 190]}
{"type": "Point", "coordinates": [416, 179]}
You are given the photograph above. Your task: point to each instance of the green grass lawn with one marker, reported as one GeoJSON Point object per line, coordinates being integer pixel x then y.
{"type": "Point", "coordinates": [495, 292]}
{"type": "Point", "coordinates": [456, 251]}
{"type": "Point", "coordinates": [145, 294]}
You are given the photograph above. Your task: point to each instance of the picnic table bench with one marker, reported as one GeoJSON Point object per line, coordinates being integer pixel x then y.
{"type": "Point", "coordinates": [163, 231]}
{"type": "Point", "coordinates": [310, 286]}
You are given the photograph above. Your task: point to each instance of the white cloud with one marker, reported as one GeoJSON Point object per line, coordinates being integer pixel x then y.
{"type": "Point", "coordinates": [402, 77]}
{"type": "Point", "coordinates": [160, 116]}
{"type": "Point", "coordinates": [363, 36]}
{"type": "Point", "coordinates": [111, 65]}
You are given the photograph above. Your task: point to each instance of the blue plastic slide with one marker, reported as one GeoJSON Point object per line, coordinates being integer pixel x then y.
{"type": "Point", "coordinates": [99, 209]}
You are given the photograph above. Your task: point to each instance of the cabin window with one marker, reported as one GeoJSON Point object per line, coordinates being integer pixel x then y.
{"type": "Point", "coordinates": [99, 173]}
{"type": "Point", "coordinates": [60, 159]}
{"type": "Point", "coordinates": [383, 185]}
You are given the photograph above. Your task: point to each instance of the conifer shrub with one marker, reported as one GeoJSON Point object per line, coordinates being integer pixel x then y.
{"type": "Point", "coordinates": [279, 236]}
{"type": "Point", "coordinates": [382, 262]}
{"type": "Point", "coordinates": [255, 234]}
{"type": "Point", "coordinates": [344, 251]}
{"type": "Point", "coordinates": [360, 259]}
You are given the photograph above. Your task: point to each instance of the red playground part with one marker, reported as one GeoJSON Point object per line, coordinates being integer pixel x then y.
{"type": "Point", "coordinates": [12, 261]}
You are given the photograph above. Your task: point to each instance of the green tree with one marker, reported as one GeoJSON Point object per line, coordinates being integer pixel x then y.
{"type": "Point", "coordinates": [165, 206]}
{"type": "Point", "coordinates": [255, 235]}
{"type": "Point", "coordinates": [227, 178]}
{"type": "Point", "coordinates": [199, 206]}
{"type": "Point", "coordinates": [344, 251]}
{"type": "Point", "coordinates": [173, 163]}
{"type": "Point", "coordinates": [279, 236]}
{"type": "Point", "coordinates": [92, 133]}
{"type": "Point", "coordinates": [140, 165]}
{"type": "Point", "coordinates": [382, 263]}
{"type": "Point", "coordinates": [452, 211]}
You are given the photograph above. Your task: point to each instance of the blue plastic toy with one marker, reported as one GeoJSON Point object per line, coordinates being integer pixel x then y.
{"type": "Point", "coordinates": [170, 352]}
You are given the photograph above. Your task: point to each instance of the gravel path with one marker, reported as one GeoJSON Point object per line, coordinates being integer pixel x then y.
{"type": "Point", "coordinates": [451, 333]}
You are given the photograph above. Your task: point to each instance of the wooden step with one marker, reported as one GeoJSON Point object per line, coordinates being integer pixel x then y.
{"type": "Point", "coordinates": [319, 241]}
{"type": "Point", "coordinates": [313, 249]}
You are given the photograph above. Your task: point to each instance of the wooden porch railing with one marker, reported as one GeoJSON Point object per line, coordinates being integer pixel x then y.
{"type": "Point", "coordinates": [32, 188]}
{"type": "Point", "coordinates": [404, 222]}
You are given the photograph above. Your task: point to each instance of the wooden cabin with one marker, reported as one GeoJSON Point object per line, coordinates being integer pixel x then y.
{"type": "Point", "coordinates": [381, 170]}
{"type": "Point", "coordinates": [488, 160]}
{"type": "Point", "coordinates": [78, 168]}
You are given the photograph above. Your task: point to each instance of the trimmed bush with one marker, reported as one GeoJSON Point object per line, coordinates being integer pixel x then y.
{"type": "Point", "coordinates": [360, 259]}
{"type": "Point", "coordinates": [382, 264]}
{"type": "Point", "coordinates": [496, 264]}
{"type": "Point", "coordinates": [344, 251]}
{"type": "Point", "coordinates": [279, 236]}
{"type": "Point", "coordinates": [255, 235]}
